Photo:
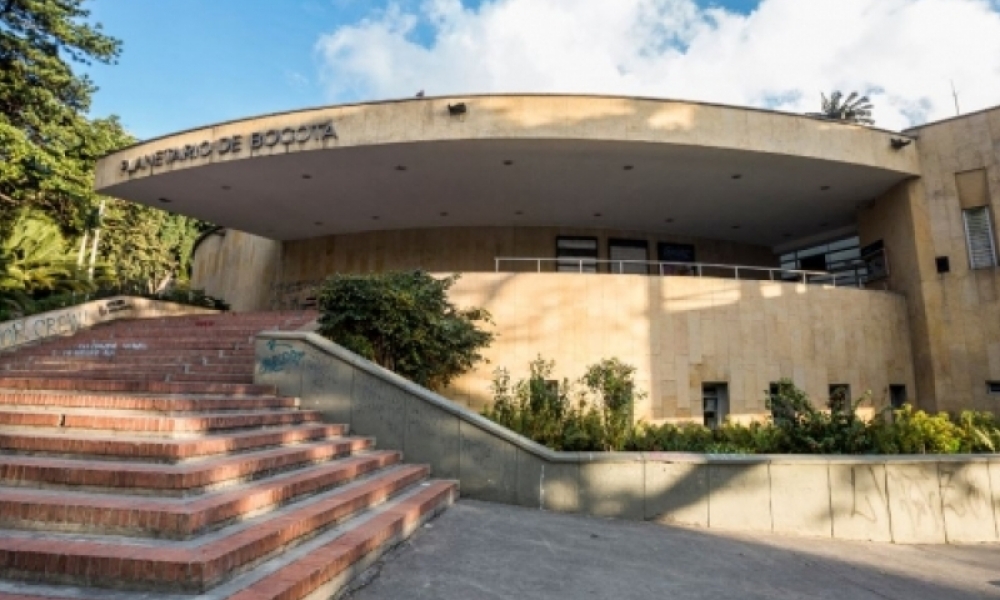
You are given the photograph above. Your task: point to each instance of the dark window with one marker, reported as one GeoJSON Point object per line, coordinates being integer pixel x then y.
{"type": "Point", "coordinates": [897, 396]}
{"type": "Point", "coordinates": [993, 387]}
{"type": "Point", "coordinates": [943, 264]}
{"type": "Point", "coordinates": [633, 255]}
{"type": "Point", "coordinates": [772, 392]}
{"type": "Point", "coordinates": [715, 404]}
{"type": "Point", "coordinates": [576, 254]}
{"type": "Point", "coordinates": [841, 258]}
{"type": "Point", "coordinates": [816, 262]}
{"type": "Point", "coordinates": [675, 253]}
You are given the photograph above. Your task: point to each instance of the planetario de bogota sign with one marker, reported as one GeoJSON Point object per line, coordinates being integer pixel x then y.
{"type": "Point", "coordinates": [233, 144]}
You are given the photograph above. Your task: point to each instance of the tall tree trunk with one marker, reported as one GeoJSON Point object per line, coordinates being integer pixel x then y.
{"type": "Point", "coordinates": [97, 237]}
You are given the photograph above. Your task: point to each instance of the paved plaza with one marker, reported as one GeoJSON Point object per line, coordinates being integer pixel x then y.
{"type": "Point", "coordinates": [483, 550]}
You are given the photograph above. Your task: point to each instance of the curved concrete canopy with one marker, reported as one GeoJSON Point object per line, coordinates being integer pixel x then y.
{"type": "Point", "coordinates": [577, 161]}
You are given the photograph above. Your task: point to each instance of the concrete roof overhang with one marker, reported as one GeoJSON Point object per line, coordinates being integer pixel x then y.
{"type": "Point", "coordinates": [529, 160]}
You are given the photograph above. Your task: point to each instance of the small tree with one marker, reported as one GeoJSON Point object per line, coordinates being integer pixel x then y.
{"type": "Point", "coordinates": [612, 382]}
{"type": "Point", "coordinates": [404, 322]}
{"type": "Point", "coordinates": [854, 109]}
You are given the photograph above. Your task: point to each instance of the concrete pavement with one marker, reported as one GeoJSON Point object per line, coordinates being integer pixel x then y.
{"type": "Point", "coordinates": [484, 550]}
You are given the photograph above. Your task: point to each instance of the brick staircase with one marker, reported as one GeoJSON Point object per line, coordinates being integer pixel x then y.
{"type": "Point", "coordinates": [139, 457]}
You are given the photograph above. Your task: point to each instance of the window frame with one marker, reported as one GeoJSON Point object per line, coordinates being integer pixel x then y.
{"type": "Point", "coordinates": [575, 261]}
{"type": "Point", "coordinates": [627, 243]}
{"type": "Point", "coordinates": [990, 236]}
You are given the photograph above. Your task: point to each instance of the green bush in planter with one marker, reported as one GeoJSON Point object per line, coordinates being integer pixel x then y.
{"type": "Point", "coordinates": [404, 322]}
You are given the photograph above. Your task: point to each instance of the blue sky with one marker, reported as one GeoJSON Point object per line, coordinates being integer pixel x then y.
{"type": "Point", "coordinates": [187, 63]}
{"type": "Point", "coordinates": [193, 62]}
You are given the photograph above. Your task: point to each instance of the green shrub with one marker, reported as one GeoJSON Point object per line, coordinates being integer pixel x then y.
{"type": "Point", "coordinates": [611, 383]}
{"type": "Point", "coordinates": [597, 418]}
{"type": "Point", "coordinates": [803, 429]}
{"type": "Point", "coordinates": [601, 419]}
{"type": "Point", "coordinates": [917, 432]}
{"type": "Point", "coordinates": [404, 322]}
{"type": "Point", "coordinates": [980, 432]}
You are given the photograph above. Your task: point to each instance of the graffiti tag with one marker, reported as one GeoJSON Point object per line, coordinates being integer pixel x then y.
{"type": "Point", "coordinates": [286, 356]}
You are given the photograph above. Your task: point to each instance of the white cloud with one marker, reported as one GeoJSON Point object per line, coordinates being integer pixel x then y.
{"type": "Point", "coordinates": [903, 53]}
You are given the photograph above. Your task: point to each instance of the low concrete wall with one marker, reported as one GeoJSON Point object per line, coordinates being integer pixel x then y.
{"type": "Point", "coordinates": [67, 321]}
{"type": "Point", "coordinates": [910, 499]}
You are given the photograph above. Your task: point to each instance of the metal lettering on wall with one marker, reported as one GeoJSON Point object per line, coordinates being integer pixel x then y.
{"type": "Point", "coordinates": [233, 145]}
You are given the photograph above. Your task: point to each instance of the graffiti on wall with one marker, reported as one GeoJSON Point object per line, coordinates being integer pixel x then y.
{"type": "Point", "coordinates": [283, 357]}
{"type": "Point", "coordinates": [59, 322]}
{"type": "Point", "coordinates": [295, 294]}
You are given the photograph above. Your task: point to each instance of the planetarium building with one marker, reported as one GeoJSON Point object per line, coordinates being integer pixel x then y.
{"type": "Point", "coordinates": [718, 249]}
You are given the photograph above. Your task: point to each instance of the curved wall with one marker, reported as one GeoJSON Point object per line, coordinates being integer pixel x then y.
{"type": "Point", "coordinates": [237, 267]}
{"type": "Point", "coordinates": [683, 332]}
{"type": "Point", "coordinates": [680, 332]}
{"type": "Point", "coordinates": [534, 117]}
{"type": "Point", "coordinates": [243, 268]}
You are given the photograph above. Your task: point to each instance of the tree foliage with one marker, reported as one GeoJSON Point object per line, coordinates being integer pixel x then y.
{"type": "Point", "coordinates": [853, 109]}
{"type": "Point", "coordinates": [49, 148]}
{"type": "Point", "coordinates": [146, 244]}
{"type": "Point", "coordinates": [404, 322]}
{"type": "Point", "coordinates": [47, 144]}
{"type": "Point", "coordinates": [34, 260]}
{"type": "Point", "coordinates": [597, 417]}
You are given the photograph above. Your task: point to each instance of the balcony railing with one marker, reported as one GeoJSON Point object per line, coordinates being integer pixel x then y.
{"type": "Point", "coordinates": [694, 269]}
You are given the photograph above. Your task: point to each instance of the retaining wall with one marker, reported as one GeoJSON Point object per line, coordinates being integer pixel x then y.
{"type": "Point", "coordinates": [905, 499]}
{"type": "Point", "coordinates": [69, 320]}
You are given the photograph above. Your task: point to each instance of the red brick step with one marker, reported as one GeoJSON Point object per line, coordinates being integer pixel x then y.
{"type": "Point", "coordinates": [145, 403]}
{"type": "Point", "coordinates": [195, 569]}
{"type": "Point", "coordinates": [184, 478]}
{"type": "Point", "coordinates": [109, 385]}
{"type": "Point", "coordinates": [164, 449]}
{"type": "Point", "coordinates": [153, 517]}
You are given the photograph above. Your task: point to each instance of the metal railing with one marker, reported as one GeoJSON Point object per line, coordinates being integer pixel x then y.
{"type": "Point", "coordinates": [591, 265]}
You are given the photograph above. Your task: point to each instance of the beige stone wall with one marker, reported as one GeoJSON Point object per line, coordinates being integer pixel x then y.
{"type": "Point", "coordinates": [681, 332]}
{"type": "Point", "coordinates": [897, 219]}
{"type": "Point", "coordinates": [955, 316]}
{"type": "Point", "coordinates": [963, 306]}
{"type": "Point", "coordinates": [239, 268]}
{"type": "Point", "coordinates": [469, 249]}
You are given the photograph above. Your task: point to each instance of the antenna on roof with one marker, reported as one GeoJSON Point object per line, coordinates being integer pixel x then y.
{"type": "Point", "coordinates": [955, 96]}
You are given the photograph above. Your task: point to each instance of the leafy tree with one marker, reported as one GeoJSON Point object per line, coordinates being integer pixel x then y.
{"type": "Point", "coordinates": [35, 261]}
{"type": "Point", "coordinates": [47, 145]}
{"type": "Point", "coordinates": [853, 109]}
{"type": "Point", "coordinates": [404, 322]}
{"type": "Point", "coordinates": [146, 245]}
{"type": "Point", "coordinates": [611, 381]}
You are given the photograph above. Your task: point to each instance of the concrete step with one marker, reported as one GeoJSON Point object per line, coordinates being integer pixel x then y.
{"type": "Point", "coordinates": [172, 358]}
{"type": "Point", "coordinates": [156, 404]}
{"type": "Point", "coordinates": [161, 450]}
{"type": "Point", "coordinates": [136, 375]}
{"type": "Point", "coordinates": [320, 567]}
{"type": "Point", "coordinates": [152, 387]}
{"type": "Point", "coordinates": [246, 377]}
{"type": "Point", "coordinates": [74, 346]}
{"type": "Point", "coordinates": [183, 566]}
{"type": "Point", "coordinates": [180, 519]}
{"type": "Point", "coordinates": [26, 368]}
{"type": "Point", "coordinates": [140, 423]}
{"type": "Point", "coordinates": [169, 479]}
